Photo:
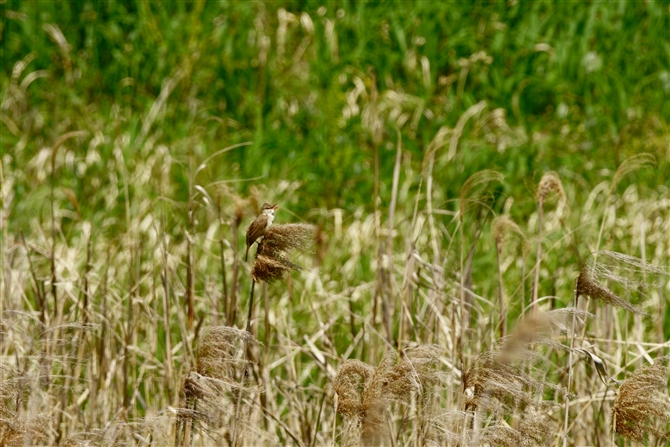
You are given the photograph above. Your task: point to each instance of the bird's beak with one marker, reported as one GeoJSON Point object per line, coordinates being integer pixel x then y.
{"type": "Point", "coordinates": [274, 207]}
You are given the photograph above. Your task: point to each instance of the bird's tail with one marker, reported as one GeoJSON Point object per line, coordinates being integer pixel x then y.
{"type": "Point", "coordinates": [246, 255]}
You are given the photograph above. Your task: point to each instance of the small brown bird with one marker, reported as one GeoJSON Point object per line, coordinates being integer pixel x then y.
{"type": "Point", "coordinates": [259, 226]}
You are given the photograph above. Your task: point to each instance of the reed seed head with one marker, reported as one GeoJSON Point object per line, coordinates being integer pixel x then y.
{"type": "Point", "coordinates": [219, 361]}
{"type": "Point", "coordinates": [535, 428]}
{"type": "Point", "coordinates": [503, 225]}
{"type": "Point", "coordinates": [272, 260]}
{"type": "Point", "coordinates": [587, 285]}
{"type": "Point", "coordinates": [505, 382]}
{"type": "Point", "coordinates": [366, 393]}
{"type": "Point", "coordinates": [551, 182]}
{"type": "Point", "coordinates": [642, 403]}
{"type": "Point", "coordinates": [498, 377]}
{"type": "Point", "coordinates": [220, 349]}
{"type": "Point", "coordinates": [15, 427]}
{"type": "Point", "coordinates": [472, 190]}
{"type": "Point", "coordinates": [626, 273]}
{"type": "Point", "coordinates": [350, 383]}
{"type": "Point", "coordinates": [633, 163]}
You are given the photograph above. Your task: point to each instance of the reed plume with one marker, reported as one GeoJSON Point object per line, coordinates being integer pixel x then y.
{"type": "Point", "coordinates": [630, 274]}
{"type": "Point", "coordinates": [206, 391]}
{"type": "Point", "coordinates": [272, 257]}
{"type": "Point", "coordinates": [16, 427]}
{"type": "Point", "coordinates": [587, 285]}
{"type": "Point", "coordinates": [502, 381]}
{"type": "Point", "coordinates": [365, 395]}
{"type": "Point", "coordinates": [642, 403]}
{"type": "Point", "coordinates": [536, 427]}
{"type": "Point", "coordinates": [497, 372]}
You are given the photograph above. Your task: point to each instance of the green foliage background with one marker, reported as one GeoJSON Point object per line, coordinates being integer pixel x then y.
{"type": "Point", "coordinates": [598, 71]}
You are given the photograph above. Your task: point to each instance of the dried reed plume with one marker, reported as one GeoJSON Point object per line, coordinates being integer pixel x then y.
{"type": "Point", "coordinates": [206, 390]}
{"type": "Point", "coordinates": [506, 382]}
{"type": "Point", "coordinates": [152, 430]}
{"type": "Point", "coordinates": [536, 427]}
{"type": "Point", "coordinates": [589, 286]}
{"type": "Point", "coordinates": [365, 394]}
{"type": "Point", "coordinates": [352, 377]}
{"type": "Point", "coordinates": [87, 439]}
{"type": "Point", "coordinates": [612, 266]}
{"type": "Point", "coordinates": [272, 260]}
{"type": "Point", "coordinates": [638, 275]}
{"type": "Point", "coordinates": [472, 190]}
{"type": "Point", "coordinates": [220, 353]}
{"type": "Point", "coordinates": [15, 428]}
{"type": "Point", "coordinates": [551, 182]}
{"type": "Point", "coordinates": [631, 164]}
{"type": "Point", "coordinates": [642, 402]}
{"type": "Point", "coordinates": [503, 225]}
{"type": "Point", "coordinates": [498, 381]}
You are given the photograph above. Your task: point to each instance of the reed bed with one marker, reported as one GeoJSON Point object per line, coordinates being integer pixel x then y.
{"type": "Point", "coordinates": [438, 278]}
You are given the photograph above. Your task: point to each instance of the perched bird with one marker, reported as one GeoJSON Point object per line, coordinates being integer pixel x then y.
{"type": "Point", "coordinates": [259, 226]}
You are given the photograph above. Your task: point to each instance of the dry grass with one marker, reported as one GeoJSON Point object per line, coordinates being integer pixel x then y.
{"type": "Point", "coordinates": [272, 261]}
{"type": "Point", "coordinates": [631, 274]}
{"type": "Point", "coordinates": [121, 280]}
{"type": "Point", "coordinates": [365, 395]}
{"type": "Point", "coordinates": [588, 286]}
{"type": "Point", "coordinates": [536, 427]}
{"type": "Point", "coordinates": [209, 392]}
{"type": "Point", "coordinates": [551, 183]}
{"type": "Point", "coordinates": [15, 427]}
{"type": "Point", "coordinates": [122, 378]}
{"type": "Point", "coordinates": [642, 403]}
{"type": "Point", "coordinates": [507, 372]}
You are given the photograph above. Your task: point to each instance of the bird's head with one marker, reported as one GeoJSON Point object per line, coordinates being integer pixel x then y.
{"type": "Point", "coordinates": [268, 209]}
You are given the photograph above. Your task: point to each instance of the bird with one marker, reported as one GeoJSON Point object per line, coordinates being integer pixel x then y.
{"type": "Point", "coordinates": [260, 225]}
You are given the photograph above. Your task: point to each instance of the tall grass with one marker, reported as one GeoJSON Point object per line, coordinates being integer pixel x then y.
{"type": "Point", "coordinates": [397, 300]}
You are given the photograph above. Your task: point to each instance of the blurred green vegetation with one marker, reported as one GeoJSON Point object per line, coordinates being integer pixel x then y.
{"type": "Point", "coordinates": [584, 85]}
{"type": "Point", "coordinates": [318, 89]}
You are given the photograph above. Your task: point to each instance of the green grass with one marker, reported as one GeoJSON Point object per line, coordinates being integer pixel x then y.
{"type": "Point", "coordinates": [318, 95]}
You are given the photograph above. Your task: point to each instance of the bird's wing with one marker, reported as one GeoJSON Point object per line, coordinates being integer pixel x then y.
{"type": "Point", "coordinates": [256, 229]}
